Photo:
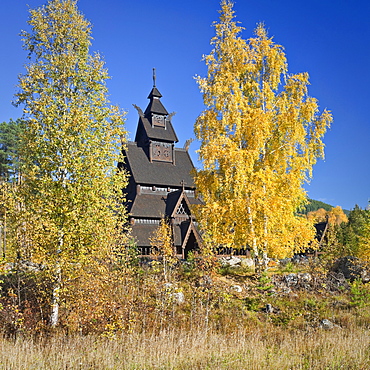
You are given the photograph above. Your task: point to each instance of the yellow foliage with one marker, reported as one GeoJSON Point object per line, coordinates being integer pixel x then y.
{"type": "Point", "coordinates": [335, 216]}
{"type": "Point", "coordinates": [162, 246]}
{"type": "Point", "coordinates": [364, 247]}
{"type": "Point", "coordinates": [161, 240]}
{"type": "Point", "coordinates": [260, 135]}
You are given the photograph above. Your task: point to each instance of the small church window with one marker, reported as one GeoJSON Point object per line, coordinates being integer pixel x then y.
{"type": "Point", "coordinates": [181, 210]}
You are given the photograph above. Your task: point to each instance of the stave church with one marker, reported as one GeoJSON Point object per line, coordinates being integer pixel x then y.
{"type": "Point", "coordinates": [160, 181]}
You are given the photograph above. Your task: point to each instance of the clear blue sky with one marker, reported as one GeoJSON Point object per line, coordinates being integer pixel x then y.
{"type": "Point", "coordinates": [328, 39]}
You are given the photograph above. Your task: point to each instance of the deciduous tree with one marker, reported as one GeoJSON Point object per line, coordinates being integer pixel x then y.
{"type": "Point", "coordinates": [335, 216]}
{"type": "Point", "coordinates": [364, 238]}
{"type": "Point", "coordinates": [162, 245]}
{"type": "Point", "coordinates": [72, 208]}
{"type": "Point", "coordinates": [260, 135]}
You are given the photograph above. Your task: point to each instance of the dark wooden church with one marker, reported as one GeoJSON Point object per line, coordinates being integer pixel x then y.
{"type": "Point", "coordinates": [160, 181]}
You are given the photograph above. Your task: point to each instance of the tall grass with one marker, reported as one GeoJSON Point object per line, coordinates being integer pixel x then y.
{"type": "Point", "coordinates": [258, 348]}
{"type": "Point", "coordinates": [143, 326]}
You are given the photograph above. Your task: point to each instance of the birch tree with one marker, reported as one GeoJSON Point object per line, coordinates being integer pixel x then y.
{"type": "Point", "coordinates": [363, 237]}
{"type": "Point", "coordinates": [71, 192]}
{"type": "Point", "coordinates": [260, 135]}
{"type": "Point", "coordinates": [162, 247]}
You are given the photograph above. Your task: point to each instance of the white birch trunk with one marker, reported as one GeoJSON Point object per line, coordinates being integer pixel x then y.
{"type": "Point", "coordinates": [54, 317]}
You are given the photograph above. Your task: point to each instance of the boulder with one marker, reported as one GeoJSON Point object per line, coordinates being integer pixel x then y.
{"type": "Point", "coordinates": [328, 325]}
{"type": "Point", "coordinates": [352, 268]}
{"type": "Point", "coordinates": [230, 261]}
{"type": "Point", "coordinates": [305, 277]}
{"type": "Point", "coordinates": [300, 259]}
{"type": "Point", "coordinates": [178, 297]}
{"type": "Point", "coordinates": [269, 308]}
{"type": "Point", "coordinates": [285, 261]}
{"type": "Point", "coordinates": [236, 288]}
{"type": "Point", "coordinates": [291, 279]}
{"type": "Point", "coordinates": [247, 262]}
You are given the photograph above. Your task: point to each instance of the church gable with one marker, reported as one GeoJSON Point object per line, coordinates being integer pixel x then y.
{"type": "Point", "coordinates": [191, 232]}
{"type": "Point", "coordinates": [182, 207]}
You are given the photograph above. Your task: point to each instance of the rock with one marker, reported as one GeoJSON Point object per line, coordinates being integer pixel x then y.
{"type": "Point", "coordinates": [305, 277]}
{"type": "Point", "coordinates": [285, 261]}
{"type": "Point", "coordinates": [270, 309]}
{"type": "Point", "coordinates": [291, 279]}
{"type": "Point", "coordinates": [247, 262]}
{"type": "Point", "coordinates": [352, 268]}
{"type": "Point", "coordinates": [335, 282]}
{"type": "Point", "coordinates": [237, 288]}
{"type": "Point", "coordinates": [298, 259]}
{"type": "Point", "coordinates": [230, 261]}
{"type": "Point", "coordinates": [178, 297]}
{"type": "Point", "coordinates": [328, 325]}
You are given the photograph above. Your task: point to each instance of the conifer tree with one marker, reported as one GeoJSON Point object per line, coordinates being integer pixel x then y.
{"type": "Point", "coordinates": [71, 193]}
{"type": "Point", "coordinates": [260, 135]}
{"type": "Point", "coordinates": [9, 141]}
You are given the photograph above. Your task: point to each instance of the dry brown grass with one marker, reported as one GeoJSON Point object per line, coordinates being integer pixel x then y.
{"type": "Point", "coordinates": [214, 328]}
{"type": "Point", "coordinates": [266, 348]}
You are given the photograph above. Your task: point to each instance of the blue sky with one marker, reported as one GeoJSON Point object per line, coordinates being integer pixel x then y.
{"type": "Point", "coordinates": [328, 39]}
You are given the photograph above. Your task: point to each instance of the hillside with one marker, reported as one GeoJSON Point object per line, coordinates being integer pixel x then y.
{"type": "Point", "coordinates": [314, 205]}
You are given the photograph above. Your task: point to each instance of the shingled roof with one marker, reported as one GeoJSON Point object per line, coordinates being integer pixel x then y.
{"type": "Point", "coordinates": [159, 205]}
{"type": "Point", "coordinates": [149, 205]}
{"type": "Point", "coordinates": [175, 198]}
{"type": "Point", "coordinates": [159, 173]}
{"type": "Point", "coordinates": [155, 105]}
{"type": "Point", "coordinates": [143, 233]}
{"type": "Point", "coordinates": [145, 129]}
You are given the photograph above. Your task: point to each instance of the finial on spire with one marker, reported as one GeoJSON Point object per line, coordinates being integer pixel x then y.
{"type": "Point", "coordinates": [154, 77]}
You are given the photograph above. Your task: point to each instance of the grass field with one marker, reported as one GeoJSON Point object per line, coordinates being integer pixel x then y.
{"type": "Point", "coordinates": [267, 348]}
{"type": "Point", "coordinates": [216, 326]}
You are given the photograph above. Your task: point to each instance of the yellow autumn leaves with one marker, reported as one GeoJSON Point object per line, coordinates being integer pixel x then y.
{"type": "Point", "coordinates": [260, 135]}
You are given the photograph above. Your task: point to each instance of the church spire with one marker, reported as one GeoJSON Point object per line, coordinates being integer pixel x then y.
{"type": "Point", "coordinates": [155, 106]}
{"type": "Point", "coordinates": [155, 124]}
{"type": "Point", "coordinates": [154, 77]}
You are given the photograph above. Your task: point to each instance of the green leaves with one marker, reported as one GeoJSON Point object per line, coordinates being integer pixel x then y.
{"type": "Point", "coordinates": [72, 204]}
{"type": "Point", "coordinates": [10, 133]}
